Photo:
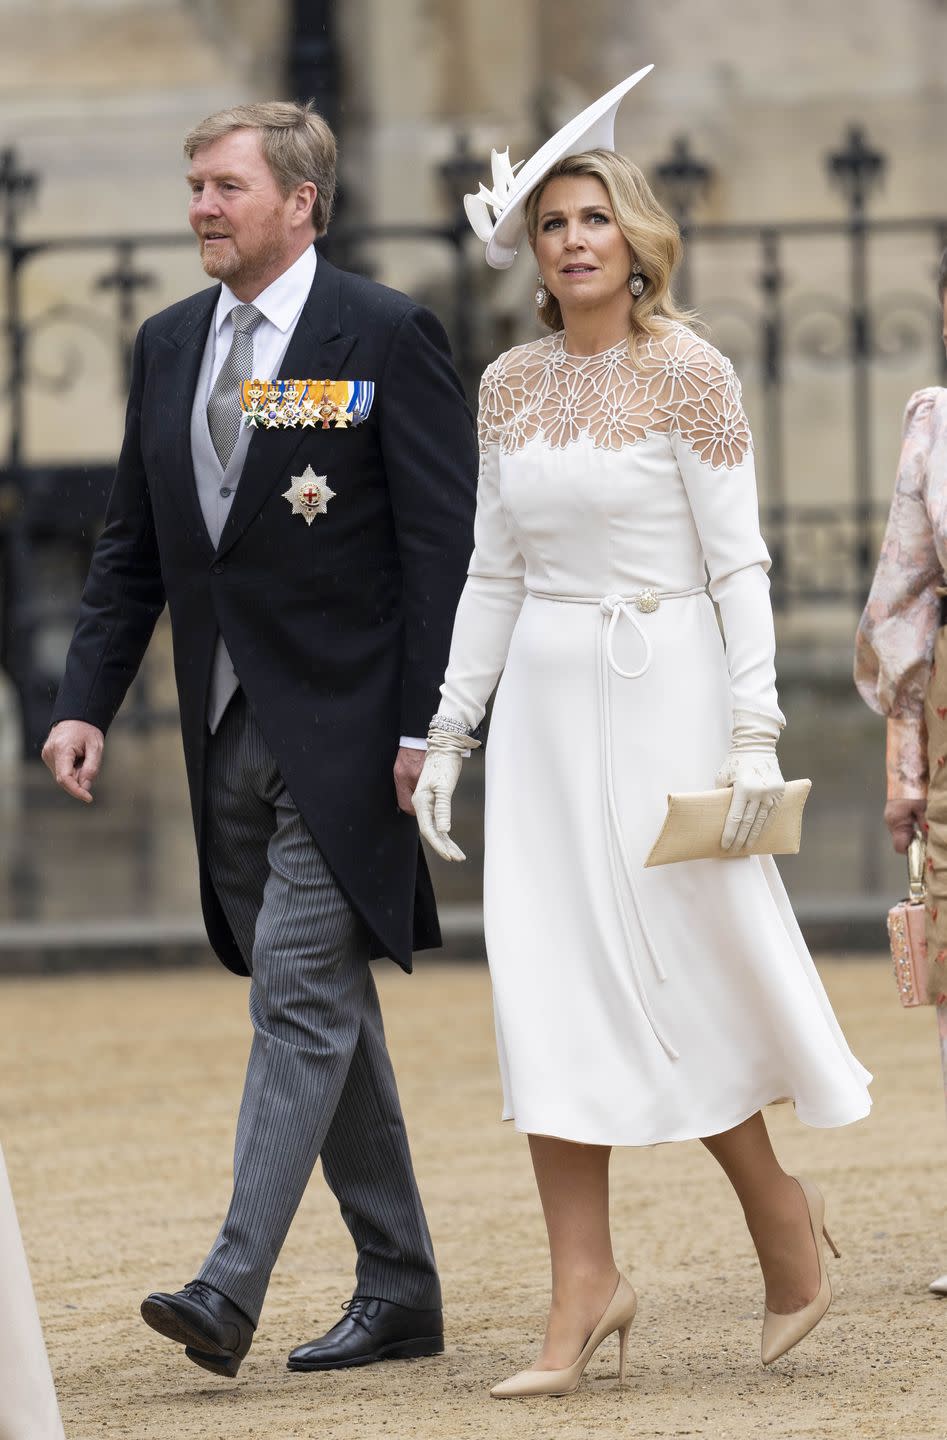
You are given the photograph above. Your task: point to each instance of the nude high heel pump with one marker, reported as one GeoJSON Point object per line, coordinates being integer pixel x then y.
{"type": "Point", "coordinates": [618, 1315]}
{"type": "Point", "coordinates": [782, 1332]}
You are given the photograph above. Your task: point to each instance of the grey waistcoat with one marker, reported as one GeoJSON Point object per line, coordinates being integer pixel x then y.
{"type": "Point", "coordinates": [212, 480]}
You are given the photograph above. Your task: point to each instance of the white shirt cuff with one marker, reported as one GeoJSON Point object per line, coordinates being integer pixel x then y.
{"type": "Point", "coordinates": [411, 742]}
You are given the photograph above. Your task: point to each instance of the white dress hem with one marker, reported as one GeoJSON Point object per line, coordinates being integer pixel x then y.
{"type": "Point", "coordinates": [821, 1121]}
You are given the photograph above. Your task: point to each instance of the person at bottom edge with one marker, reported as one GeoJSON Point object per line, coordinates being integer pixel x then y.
{"type": "Point", "coordinates": [297, 481]}
{"type": "Point", "coordinates": [633, 1005]}
{"type": "Point", "coordinates": [28, 1405]}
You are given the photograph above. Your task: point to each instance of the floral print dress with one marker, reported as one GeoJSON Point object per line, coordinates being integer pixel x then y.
{"type": "Point", "coordinates": [901, 646]}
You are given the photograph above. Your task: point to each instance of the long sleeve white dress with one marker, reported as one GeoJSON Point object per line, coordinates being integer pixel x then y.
{"type": "Point", "coordinates": [632, 1006]}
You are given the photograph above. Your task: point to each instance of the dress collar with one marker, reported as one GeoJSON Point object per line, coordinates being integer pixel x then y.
{"type": "Point", "coordinates": [620, 348]}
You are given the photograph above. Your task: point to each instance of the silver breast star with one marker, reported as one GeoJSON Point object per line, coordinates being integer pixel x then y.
{"type": "Point", "coordinates": [309, 494]}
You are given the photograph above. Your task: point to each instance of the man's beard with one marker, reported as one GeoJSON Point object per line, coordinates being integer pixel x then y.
{"type": "Point", "coordinates": [241, 267]}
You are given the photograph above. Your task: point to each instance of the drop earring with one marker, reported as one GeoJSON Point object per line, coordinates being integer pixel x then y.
{"type": "Point", "coordinates": [636, 283]}
{"type": "Point", "coordinates": [542, 295]}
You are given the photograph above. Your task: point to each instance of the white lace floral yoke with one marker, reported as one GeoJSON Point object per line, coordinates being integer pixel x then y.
{"type": "Point", "coordinates": [678, 383]}
{"type": "Point", "coordinates": [632, 1005]}
{"type": "Point", "coordinates": [605, 476]}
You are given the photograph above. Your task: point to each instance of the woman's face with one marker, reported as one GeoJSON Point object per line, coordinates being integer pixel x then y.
{"type": "Point", "coordinates": [583, 257]}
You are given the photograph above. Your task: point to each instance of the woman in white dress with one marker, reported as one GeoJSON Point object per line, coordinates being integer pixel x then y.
{"type": "Point", "coordinates": [28, 1407]}
{"type": "Point", "coordinates": [632, 1006]}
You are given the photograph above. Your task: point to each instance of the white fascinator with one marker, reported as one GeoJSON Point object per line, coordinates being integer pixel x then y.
{"type": "Point", "coordinates": [594, 129]}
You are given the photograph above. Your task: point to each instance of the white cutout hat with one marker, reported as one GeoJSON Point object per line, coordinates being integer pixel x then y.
{"type": "Point", "coordinates": [594, 129]}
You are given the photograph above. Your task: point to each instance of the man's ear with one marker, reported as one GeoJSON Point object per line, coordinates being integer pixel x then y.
{"type": "Point", "coordinates": [305, 204]}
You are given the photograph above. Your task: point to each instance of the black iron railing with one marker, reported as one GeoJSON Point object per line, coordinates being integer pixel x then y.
{"type": "Point", "coordinates": [751, 283]}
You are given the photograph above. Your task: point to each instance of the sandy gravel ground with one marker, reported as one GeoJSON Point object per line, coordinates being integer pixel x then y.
{"type": "Point", "coordinates": [117, 1105]}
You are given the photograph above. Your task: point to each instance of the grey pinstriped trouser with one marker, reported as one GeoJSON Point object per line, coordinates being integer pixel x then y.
{"type": "Point", "coordinates": [319, 1081]}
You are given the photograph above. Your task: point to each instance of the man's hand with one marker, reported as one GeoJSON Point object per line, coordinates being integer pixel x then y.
{"type": "Point", "coordinates": [73, 754]}
{"type": "Point", "coordinates": [903, 817]}
{"type": "Point", "coordinates": [408, 767]}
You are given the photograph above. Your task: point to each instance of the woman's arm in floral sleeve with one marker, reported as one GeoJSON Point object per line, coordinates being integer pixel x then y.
{"type": "Point", "coordinates": [906, 757]}
{"type": "Point", "coordinates": [895, 638]}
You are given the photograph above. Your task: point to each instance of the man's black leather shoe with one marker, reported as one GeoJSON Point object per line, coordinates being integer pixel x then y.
{"type": "Point", "coordinates": [215, 1334]}
{"type": "Point", "coordinates": [372, 1330]}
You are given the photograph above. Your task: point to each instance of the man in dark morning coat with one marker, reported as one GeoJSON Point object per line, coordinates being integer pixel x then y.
{"type": "Point", "coordinates": [312, 564]}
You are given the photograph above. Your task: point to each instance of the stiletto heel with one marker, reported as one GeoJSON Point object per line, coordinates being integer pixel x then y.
{"type": "Point", "coordinates": [782, 1332]}
{"type": "Point", "coordinates": [831, 1244]}
{"type": "Point", "coordinates": [623, 1334]}
{"type": "Point", "coordinates": [619, 1313]}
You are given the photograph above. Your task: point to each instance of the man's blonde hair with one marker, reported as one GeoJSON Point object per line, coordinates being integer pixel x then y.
{"type": "Point", "coordinates": [650, 231]}
{"type": "Point", "coordinates": [297, 143]}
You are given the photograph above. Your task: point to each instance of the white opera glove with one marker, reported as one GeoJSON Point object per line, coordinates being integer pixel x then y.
{"type": "Point", "coordinates": [436, 785]}
{"type": "Point", "coordinates": [753, 771]}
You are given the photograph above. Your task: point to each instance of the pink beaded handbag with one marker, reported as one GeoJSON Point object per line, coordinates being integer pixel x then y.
{"type": "Point", "coordinates": [907, 933]}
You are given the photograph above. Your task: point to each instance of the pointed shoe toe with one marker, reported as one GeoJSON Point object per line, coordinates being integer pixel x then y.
{"type": "Point", "coordinates": [618, 1315]}
{"type": "Point", "coordinates": [782, 1332]}
{"type": "Point", "coordinates": [535, 1382]}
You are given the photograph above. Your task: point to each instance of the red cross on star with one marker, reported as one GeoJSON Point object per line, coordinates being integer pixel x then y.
{"type": "Point", "coordinates": [309, 494]}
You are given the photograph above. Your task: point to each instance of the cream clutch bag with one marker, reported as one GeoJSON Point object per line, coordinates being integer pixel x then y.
{"type": "Point", "coordinates": [694, 824]}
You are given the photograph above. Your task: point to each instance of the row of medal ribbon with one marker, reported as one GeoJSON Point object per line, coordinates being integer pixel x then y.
{"type": "Point", "coordinates": [312, 404]}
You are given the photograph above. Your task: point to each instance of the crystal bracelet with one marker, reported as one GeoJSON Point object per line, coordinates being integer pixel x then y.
{"type": "Point", "coordinates": [448, 724]}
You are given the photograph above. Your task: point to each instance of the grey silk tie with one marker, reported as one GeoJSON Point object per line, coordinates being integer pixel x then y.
{"type": "Point", "coordinates": [223, 407]}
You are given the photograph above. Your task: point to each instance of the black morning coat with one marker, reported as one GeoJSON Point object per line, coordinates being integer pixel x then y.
{"type": "Point", "coordinates": [338, 630]}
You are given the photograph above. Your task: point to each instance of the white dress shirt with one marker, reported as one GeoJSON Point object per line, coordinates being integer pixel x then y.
{"type": "Point", "coordinates": [281, 305]}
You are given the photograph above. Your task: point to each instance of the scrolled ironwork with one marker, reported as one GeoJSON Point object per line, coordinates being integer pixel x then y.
{"type": "Point", "coordinates": [901, 326]}
{"type": "Point", "coordinates": [734, 327]}
{"type": "Point", "coordinates": [71, 360]}
{"type": "Point", "coordinates": [818, 327]}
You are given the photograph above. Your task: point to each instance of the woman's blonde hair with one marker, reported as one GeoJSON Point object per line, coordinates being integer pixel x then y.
{"type": "Point", "coordinates": [653, 235]}
{"type": "Point", "coordinates": [296, 142]}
